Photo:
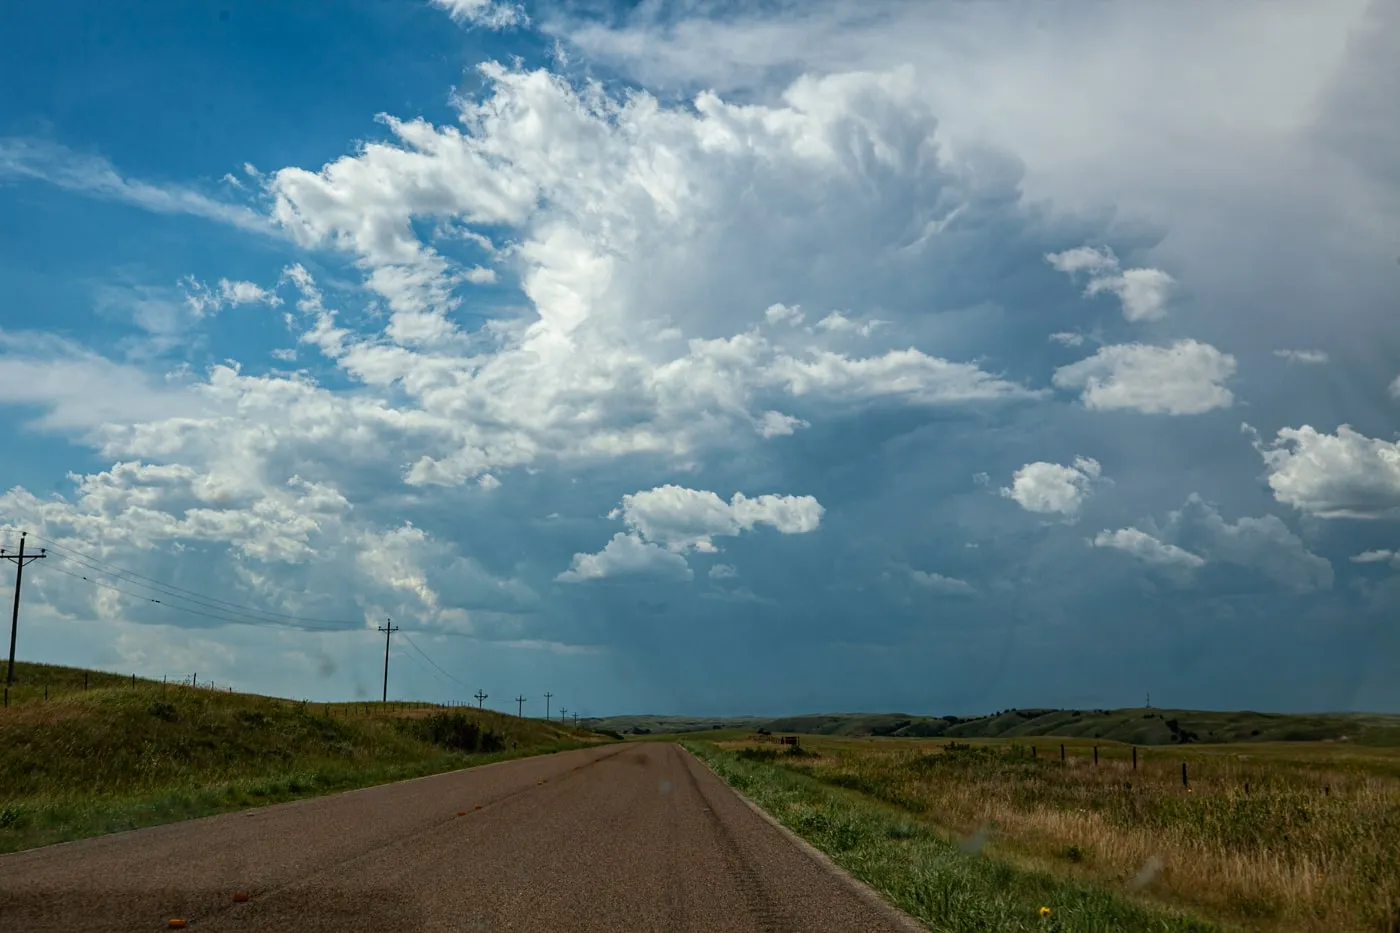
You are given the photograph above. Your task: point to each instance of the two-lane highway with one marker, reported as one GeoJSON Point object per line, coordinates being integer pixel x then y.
{"type": "Point", "coordinates": [616, 838]}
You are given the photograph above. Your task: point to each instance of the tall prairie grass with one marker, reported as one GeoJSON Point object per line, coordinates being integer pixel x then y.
{"type": "Point", "coordinates": [1272, 838]}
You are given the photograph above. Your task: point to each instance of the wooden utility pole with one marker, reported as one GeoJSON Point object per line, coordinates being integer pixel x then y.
{"type": "Point", "coordinates": [562, 715]}
{"type": "Point", "coordinates": [388, 628]}
{"type": "Point", "coordinates": [546, 705]}
{"type": "Point", "coordinates": [519, 705]}
{"type": "Point", "coordinates": [20, 559]}
{"type": "Point", "coordinates": [481, 696]}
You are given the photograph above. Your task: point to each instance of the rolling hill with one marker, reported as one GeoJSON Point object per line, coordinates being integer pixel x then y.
{"type": "Point", "coordinates": [1140, 726]}
{"type": "Point", "coordinates": [83, 752]}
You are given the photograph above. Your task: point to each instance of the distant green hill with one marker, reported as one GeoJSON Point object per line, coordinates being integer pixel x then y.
{"type": "Point", "coordinates": [1139, 726]}
{"type": "Point", "coordinates": [648, 724]}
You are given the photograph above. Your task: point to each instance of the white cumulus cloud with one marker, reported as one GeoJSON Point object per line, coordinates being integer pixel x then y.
{"type": "Point", "coordinates": [1185, 378]}
{"type": "Point", "coordinates": [1143, 292]}
{"type": "Point", "coordinates": [627, 555]}
{"type": "Point", "coordinates": [1341, 475]}
{"type": "Point", "coordinates": [1145, 547]}
{"type": "Point", "coordinates": [671, 520]}
{"type": "Point", "coordinates": [683, 519]}
{"type": "Point", "coordinates": [1051, 488]}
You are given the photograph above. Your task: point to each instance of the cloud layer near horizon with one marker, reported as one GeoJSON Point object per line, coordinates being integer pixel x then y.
{"type": "Point", "coordinates": [812, 356]}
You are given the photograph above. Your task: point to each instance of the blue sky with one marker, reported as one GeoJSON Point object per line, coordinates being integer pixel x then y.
{"type": "Point", "coordinates": [709, 358]}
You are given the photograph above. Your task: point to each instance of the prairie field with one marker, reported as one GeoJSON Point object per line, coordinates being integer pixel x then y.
{"type": "Point", "coordinates": [1259, 836]}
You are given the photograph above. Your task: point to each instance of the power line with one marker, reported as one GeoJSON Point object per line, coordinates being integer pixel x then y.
{"type": "Point", "coordinates": [208, 615]}
{"type": "Point", "coordinates": [184, 603]}
{"type": "Point", "coordinates": [430, 660]}
{"type": "Point", "coordinates": [432, 673]}
{"type": "Point", "coordinates": [20, 560]}
{"type": "Point", "coordinates": [198, 605]}
{"type": "Point", "coordinates": [141, 596]}
{"type": "Point", "coordinates": [388, 628]}
{"type": "Point", "coordinates": [179, 592]}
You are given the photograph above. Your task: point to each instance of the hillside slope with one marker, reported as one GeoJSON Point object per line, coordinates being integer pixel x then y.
{"type": "Point", "coordinates": [117, 756]}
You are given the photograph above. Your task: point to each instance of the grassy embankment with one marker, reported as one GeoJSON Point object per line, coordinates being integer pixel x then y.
{"type": "Point", "coordinates": [1272, 837]}
{"type": "Point", "coordinates": [113, 757]}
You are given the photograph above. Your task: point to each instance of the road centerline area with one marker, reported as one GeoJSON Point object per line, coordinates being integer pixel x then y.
{"type": "Point", "coordinates": [632, 837]}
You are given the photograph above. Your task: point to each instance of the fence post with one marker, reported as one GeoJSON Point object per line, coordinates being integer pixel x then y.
{"type": "Point", "coordinates": [1096, 756]}
{"type": "Point", "coordinates": [133, 681]}
{"type": "Point", "coordinates": [1183, 775]}
{"type": "Point", "coordinates": [1134, 757]}
{"type": "Point", "coordinates": [85, 677]}
{"type": "Point", "coordinates": [1033, 755]}
{"type": "Point", "coordinates": [1062, 751]}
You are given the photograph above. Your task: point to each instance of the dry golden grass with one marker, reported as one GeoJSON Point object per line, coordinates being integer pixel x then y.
{"type": "Point", "coordinates": [1312, 844]}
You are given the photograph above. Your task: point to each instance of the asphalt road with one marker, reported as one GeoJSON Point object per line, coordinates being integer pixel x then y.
{"type": "Point", "coordinates": [614, 838]}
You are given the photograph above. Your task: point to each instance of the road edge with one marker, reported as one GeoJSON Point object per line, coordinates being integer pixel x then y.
{"type": "Point", "coordinates": [860, 889]}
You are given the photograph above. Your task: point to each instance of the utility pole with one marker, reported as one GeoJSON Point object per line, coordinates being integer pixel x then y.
{"type": "Point", "coordinates": [562, 717]}
{"type": "Point", "coordinates": [480, 697]}
{"type": "Point", "coordinates": [546, 706]}
{"type": "Point", "coordinates": [575, 720]}
{"type": "Point", "coordinates": [20, 560]}
{"type": "Point", "coordinates": [388, 628]}
{"type": "Point", "coordinates": [519, 705]}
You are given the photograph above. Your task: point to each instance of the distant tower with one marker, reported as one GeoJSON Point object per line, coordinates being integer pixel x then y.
{"type": "Point", "coordinates": [1149, 699]}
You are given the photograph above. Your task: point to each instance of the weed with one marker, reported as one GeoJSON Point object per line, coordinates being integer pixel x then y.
{"type": "Point", "coordinates": [921, 870]}
{"type": "Point", "coordinates": [758, 754]}
{"type": "Point", "coordinates": [455, 732]}
{"type": "Point", "coordinates": [1296, 838]}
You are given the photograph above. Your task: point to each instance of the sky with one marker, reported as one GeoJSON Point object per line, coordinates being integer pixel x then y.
{"type": "Point", "coordinates": [709, 358]}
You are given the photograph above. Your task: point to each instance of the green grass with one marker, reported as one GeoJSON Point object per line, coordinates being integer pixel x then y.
{"type": "Point", "coordinates": [111, 758]}
{"type": "Point", "coordinates": [1278, 837]}
{"type": "Point", "coordinates": [924, 871]}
